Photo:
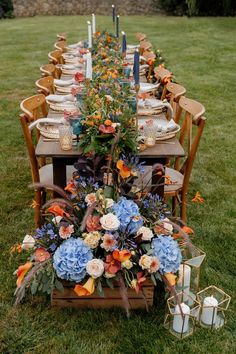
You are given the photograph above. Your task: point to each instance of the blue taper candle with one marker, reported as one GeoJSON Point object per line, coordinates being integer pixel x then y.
{"type": "Point", "coordinates": [117, 25]}
{"type": "Point", "coordinates": [136, 67]}
{"type": "Point", "coordinates": [124, 44]}
{"type": "Point", "coordinates": [113, 13]}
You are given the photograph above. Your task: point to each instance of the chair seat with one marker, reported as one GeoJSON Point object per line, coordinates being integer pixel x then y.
{"type": "Point", "coordinates": [176, 179]}
{"type": "Point", "coordinates": [46, 173]}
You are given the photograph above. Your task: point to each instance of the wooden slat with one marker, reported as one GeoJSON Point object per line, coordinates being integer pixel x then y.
{"type": "Point", "coordinates": [109, 293]}
{"type": "Point", "coordinates": [100, 303]}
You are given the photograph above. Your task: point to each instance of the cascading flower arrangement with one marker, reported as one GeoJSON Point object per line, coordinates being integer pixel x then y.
{"type": "Point", "coordinates": [93, 240]}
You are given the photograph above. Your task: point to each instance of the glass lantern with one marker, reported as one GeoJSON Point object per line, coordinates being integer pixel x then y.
{"type": "Point", "coordinates": [189, 271]}
{"type": "Point", "coordinates": [214, 302]}
{"type": "Point", "coordinates": [181, 315]}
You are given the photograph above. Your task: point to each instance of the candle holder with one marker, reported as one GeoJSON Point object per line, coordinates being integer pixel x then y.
{"type": "Point", "coordinates": [189, 271]}
{"type": "Point", "coordinates": [181, 316]}
{"type": "Point", "coordinates": [65, 137]}
{"type": "Point", "coordinates": [214, 302]}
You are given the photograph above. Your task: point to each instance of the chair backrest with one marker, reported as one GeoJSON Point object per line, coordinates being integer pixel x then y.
{"type": "Point", "coordinates": [61, 36]}
{"type": "Point", "coordinates": [190, 135]}
{"type": "Point", "coordinates": [48, 70]}
{"type": "Point", "coordinates": [145, 46]}
{"type": "Point", "coordinates": [45, 85]}
{"type": "Point", "coordinates": [60, 45]}
{"type": "Point", "coordinates": [164, 76]}
{"type": "Point", "coordinates": [140, 36]}
{"type": "Point", "coordinates": [55, 57]}
{"type": "Point", "coordinates": [174, 92]}
{"type": "Point", "coordinates": [32, 108]}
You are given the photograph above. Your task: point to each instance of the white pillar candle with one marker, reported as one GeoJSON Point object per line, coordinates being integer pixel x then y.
{"type": "Point", "coordinates": [184, 279]}
{"type": "Point", "coordinates": [93, 23]}
{"type": "Point", "coordinates": [209, 310]}
{"type": "Point", "coordinates": [89, 70]}
{"type": "Point", "coordinates": [89, 34]}
{"type": "Point", "coordinates": [180, 323]}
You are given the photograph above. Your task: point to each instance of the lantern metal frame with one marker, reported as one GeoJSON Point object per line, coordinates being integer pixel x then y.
{"type": "Point", "coordinates": [223, 304]}
{"type": "Point", "coordinates": [192, 257]}
{"type": "Point", "coordinates": [170, 314]}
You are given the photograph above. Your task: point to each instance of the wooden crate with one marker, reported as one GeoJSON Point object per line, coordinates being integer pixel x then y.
{"type": "Point", "coordinates": [69, 298]}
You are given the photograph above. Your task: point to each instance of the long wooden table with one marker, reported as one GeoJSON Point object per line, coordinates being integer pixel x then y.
{"type": "Point", "coordinates": [159, 153]}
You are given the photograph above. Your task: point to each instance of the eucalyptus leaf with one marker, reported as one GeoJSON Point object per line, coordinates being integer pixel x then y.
{"type": "Point", "coordinates": [34, 286]}
{"type": "Point", "coordinates": [109, 283]}
{"type": "Point", "coordinates": [59, 286]}
{"type": "Point", "coordinates": [100, 289]}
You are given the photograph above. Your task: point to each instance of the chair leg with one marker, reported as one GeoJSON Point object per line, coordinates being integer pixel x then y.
{"type": "Point", "coordinates": [183, 208]}
{"type": "Point", "coordinates": [37, 209]}
{"type": "Point", "coordinates": [174, 205]}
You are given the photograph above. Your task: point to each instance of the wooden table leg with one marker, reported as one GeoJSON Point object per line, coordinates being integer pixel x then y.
{"type": "Point", "coordinates": [59, 170]}
{"type": "Point", "coordinates": [158, 175]}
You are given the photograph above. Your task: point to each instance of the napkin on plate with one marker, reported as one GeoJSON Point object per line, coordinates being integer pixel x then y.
{"type": "Point", "coordinates": [60, 98]}
{"type": "Point", "coordinates": [64, 82]}
{"type": "Point", "coordinates": [171, 125]}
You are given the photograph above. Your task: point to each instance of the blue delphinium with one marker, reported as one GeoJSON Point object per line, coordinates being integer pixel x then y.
{"type": "Point", "coordinates": [168, 252]}
{"type": "Point", "coordinates": [128, 214]}
{"type": "Point", "coordinates": [70, 259]}
{"type": "Point", "coordinates": [48, 237]}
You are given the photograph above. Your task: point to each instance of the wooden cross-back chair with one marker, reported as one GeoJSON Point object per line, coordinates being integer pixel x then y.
{"type": "Point", "coordinates": [174, 92]}
{"type": "Point", "coordinates": [141, 36]}
{"type": "Point", "coordinates": [33, 108]}
{"type": "Point", "coordinates": [177, 178]}
{"type": "Point", "coordinates": [61, 36]}
{"type": "Point", "coordinates": [60, 46]}
{"type": "Point", "coordinates": [50, 70]}
{"type": "Point", "coordinates": [55, 57]}
{"type": "Point", "coordinates": [145, 46]}
{"type": "Point", "coordinates": [164, 76]}
{"type": "Point", "coordinates": [45, 85]}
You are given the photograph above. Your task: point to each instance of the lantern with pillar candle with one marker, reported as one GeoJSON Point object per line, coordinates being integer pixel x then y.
{"type": "Point", "coordinates": [181, 316]}
{"type": "Point", "coordinates": [189, 271]}
{"type": "Point", "coordinates": [214, 302]}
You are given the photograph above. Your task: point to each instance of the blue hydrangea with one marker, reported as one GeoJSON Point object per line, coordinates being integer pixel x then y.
{"type": "Point", "coordinates": [168, 252]}
{"type": "Point", "coordinates": [128, 214]}
{"type": "Point", "coordinates": [70, 259]}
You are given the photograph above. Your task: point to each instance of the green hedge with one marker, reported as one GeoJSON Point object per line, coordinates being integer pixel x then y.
{"type": "Point", "coordinates": [200, 7]}
{"type": "Point", "coordinates": [6, 9]}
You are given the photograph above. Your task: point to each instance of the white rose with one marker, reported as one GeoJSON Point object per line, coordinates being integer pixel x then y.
{"type": "Point", "coordinates": [109, 202]}
{"type": "Point", "coordinates": [28, 242]}
{"type": "Point", "coordinates": [146, 233]}
{"type": "Point", "coordinates": [95, 268]}
{"type": "Point", "coordinates": [168, 227]}
{"type": "Point", "coordinates": [151, 264]}
{"type": "Point", "coordinates": [145, 261]}
{"type": "Point", "coordinates": [110, 222]}
{"type": "Point", "coordinates": [56, 220]}
{"type": "Point", "coordinates": [127, 264]}
{"type": "Point", "coordinates": [92, 239]}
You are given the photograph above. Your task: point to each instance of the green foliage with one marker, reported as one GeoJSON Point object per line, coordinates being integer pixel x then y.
{"type": "Point", "coordinates": [6, 9]}
{"type": "Point", "coordinates": [200, 7]}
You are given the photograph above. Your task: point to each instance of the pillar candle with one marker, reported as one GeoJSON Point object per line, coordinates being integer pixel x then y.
{"type": "Point", "coordinates": [136, 67]}
{"type": "Point", "coordinates": [209, 310]}
{"type": "Point", "coordinates": [89, 34]}
{"type": "Point", "coordinates": [89, 70]}
{"type": "Point", "coordinates": [184, 279]}
{"type": "Point", "coordinates": [180, 323]}
{"type": "Point", "coordinates": [113, 13]}
{"type": "Point", "coordinates": [124, 44]}
{"type": "Point", "coordinates": [93, 23]}
{"type": "Point", "coordinates": [117, 25]}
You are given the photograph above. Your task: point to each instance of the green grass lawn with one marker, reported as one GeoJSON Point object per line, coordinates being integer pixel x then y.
{"type": "Point", "coordinates": [201, 53]}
